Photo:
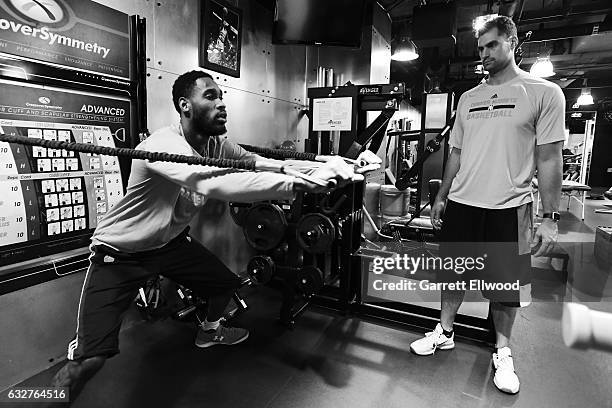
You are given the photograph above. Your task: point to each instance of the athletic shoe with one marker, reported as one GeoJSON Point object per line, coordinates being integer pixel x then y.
{"type": "Point", "coordinates": [505, 379]}
{"type": "Point", "coordinates": [432, 341]}
{"type": "Point", "coordinates": [222, 335]}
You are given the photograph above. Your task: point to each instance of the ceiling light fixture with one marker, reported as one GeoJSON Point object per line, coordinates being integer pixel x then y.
{"type": "Point", "coordinates": [405, 50]}
{"type": "Point", "coordinates": [585, 97]}
{"type": "Point", "coordinates": [542, 68]}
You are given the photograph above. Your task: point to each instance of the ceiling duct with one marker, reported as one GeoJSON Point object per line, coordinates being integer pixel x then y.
{"type": "Point", "coordinates": [435, 25]}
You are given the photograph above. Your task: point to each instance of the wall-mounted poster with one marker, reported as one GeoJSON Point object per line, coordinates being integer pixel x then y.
{"type": "Point", "coordinates": [220, 37]}
{"type": "Point", "coordinates": [79, 34]}
{"type": "Point", "coordinates": [331, 114]}
{"type": "Point", "coordinates": [436, 110]}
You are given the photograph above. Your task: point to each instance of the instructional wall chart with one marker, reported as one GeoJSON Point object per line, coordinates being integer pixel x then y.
{"type": "Point", "coordinates": [48, 192]}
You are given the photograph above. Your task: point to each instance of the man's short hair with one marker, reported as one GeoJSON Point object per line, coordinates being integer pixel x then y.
{"type": "Point", "coordinates": [504, 25]}
{"type": "Point", "coordinates": [184, 84]}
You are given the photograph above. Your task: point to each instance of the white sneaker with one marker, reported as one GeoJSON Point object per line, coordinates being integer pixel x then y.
{"type": "Point", "coordinates": [432, 341]}
{"type": "Point", "coordinates": [505, 379]}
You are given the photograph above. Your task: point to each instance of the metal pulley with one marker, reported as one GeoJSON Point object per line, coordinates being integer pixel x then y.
{"type": "Point", "coordinates": [238, 211]}
{"type": "Point", "coordinates": [261, 269]}
{"type": "Point", "coordinates": [309, 280]}
{"type": "Point", "coordinates": [264, 226]}
{"type": "Point", "coordinates": [315, 233]}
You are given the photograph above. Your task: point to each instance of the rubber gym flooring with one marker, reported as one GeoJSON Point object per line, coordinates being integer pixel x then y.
{"type": "Point", "coordinates": [336, 361]}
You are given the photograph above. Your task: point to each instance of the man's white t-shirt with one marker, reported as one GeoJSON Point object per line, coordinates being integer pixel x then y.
{"type": "Point", "coordinates": [497, 129]}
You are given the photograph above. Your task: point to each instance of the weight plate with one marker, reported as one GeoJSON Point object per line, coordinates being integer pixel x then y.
{"type": "Point", "coordinates": [264, 226]}
{"type": "Point", "coordinates": [261, 268]}
{"type": "Point", "coordinates": [315, 233]}
{"type": "Point", "coordinates": [279, 254]}
{"type": "Point", "coordinates": [309, 280]}
{"type": "Point", "coordinates": [238, 211]}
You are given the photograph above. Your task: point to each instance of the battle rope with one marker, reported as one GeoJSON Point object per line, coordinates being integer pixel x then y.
{"type": "Point", "coordinates": [280, 153]}
{"type": "Point", "coordinates": [250, 165]}
{"type": "Point", "coordinates": [132, 153]}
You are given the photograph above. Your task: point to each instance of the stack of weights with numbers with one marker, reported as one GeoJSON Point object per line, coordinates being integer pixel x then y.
{"type": "Point", "coordinates": [393, 203]}
{"type": "Point", "coordinates": [371, 202]}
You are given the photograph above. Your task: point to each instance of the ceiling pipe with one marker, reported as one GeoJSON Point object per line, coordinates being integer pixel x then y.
{"type": "Point", "coordinates": [592, 87]}
{"type": "Point", "coordinates": [582, 67]}
{"type": "Point", "coordinates": [560, 33]}
{"type": "Point", "coordinates": [582, 56]}
{"type": "Point", "coordinates": [547, 17]}
{"type": "Point", "coordinates": [579, 56]}
{"type": "Point", "coordinates": [566, 11]}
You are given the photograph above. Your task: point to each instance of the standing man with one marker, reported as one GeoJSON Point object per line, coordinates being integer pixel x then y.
{"type": "Point", "coordinates": [506, 127]}
{"type": "Point", "coordinates": [146, 233]}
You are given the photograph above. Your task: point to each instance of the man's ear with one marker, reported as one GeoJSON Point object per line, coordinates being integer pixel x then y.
{"type": "Point", "coordinates": [184, 105]}
{"type": "Point", "coordinates": [514, 42]}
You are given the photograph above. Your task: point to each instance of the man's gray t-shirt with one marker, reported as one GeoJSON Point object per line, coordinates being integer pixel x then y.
{"type": "Point", "coordinates": [497, 129]}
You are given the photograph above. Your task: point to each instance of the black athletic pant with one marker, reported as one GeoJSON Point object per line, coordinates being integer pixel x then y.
{"type": "Point", "coordinates": [113, 279]}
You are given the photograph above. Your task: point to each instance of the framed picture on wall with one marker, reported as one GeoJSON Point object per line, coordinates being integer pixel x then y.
{"type": "Point", "coordinates": [220, 37]}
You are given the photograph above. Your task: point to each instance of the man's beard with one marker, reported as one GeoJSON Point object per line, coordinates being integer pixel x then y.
{"type": "Point", "coordinates": [498, 66]}
{"type": "Point", "coordinates": [209, 129]}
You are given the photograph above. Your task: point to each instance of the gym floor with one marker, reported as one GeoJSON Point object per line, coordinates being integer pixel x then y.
{"type": "Point", "coordinates": [334, 361]}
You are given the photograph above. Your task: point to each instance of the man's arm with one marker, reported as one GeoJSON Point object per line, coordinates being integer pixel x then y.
{"type": "Point", "coordinates": [227, 184]}
{"type": "Point", "coordinates": [232, 150]}
{"type": "Point", "coordinates": [452, 164]}
{"type": "Point", "coordinates": [550, 173]}
{"type": "Point", "coordinates": [242, 186]}
{"type": "Point", "coordinates": [549, 163]}
{"type": "Point", "coordinates": [452, 167]}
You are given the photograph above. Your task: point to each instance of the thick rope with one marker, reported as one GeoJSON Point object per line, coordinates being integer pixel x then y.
{"type": "Point", "coordinates": [132, 153]}
{"type": "Point", "coordinates": [279, 153]}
